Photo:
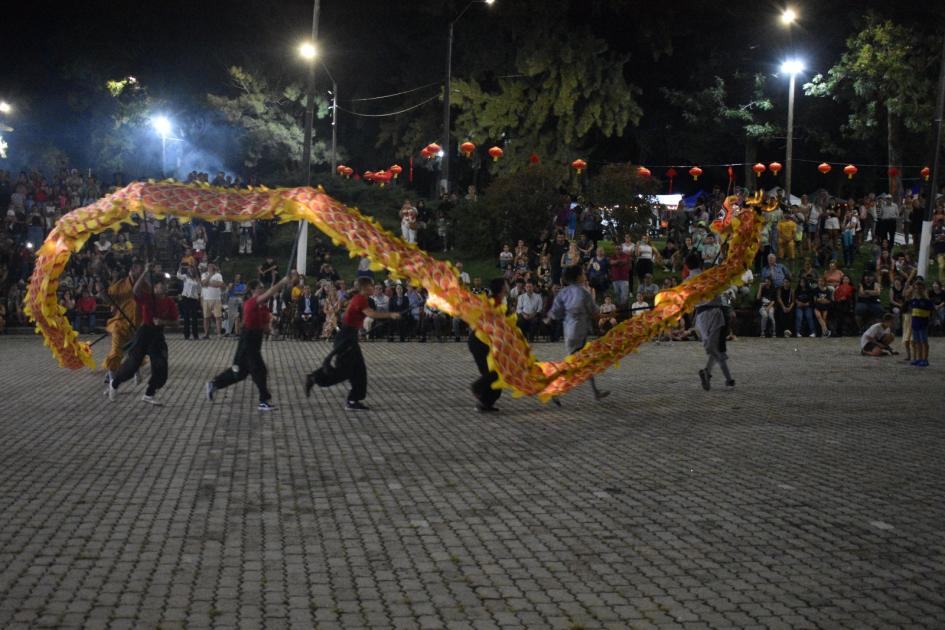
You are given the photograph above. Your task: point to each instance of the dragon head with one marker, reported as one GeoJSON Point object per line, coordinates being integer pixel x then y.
{"type": "Point", "coordinates": [735, 205]}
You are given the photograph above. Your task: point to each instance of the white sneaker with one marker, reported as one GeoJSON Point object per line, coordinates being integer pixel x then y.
{"type": "Point", "coordinates": [787, 332]}
{"type": "Point", "coordinates": [137, 378]}
{"type": "Point", "coordinates": [812, 335]}
{"type": "Point", "coordinates": [151, 400]}
{"type": "Point", "coordinates": [111, 392]}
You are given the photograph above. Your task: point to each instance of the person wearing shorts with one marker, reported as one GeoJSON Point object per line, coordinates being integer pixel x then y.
{"type": "Point", "coordinates": [211, 296]}
{"type": "Point", "coordinates": [922, 309]}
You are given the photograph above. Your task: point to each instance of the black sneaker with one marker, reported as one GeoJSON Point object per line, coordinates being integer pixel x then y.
{"type": "Point", "coordinates": [309, 384]}
{"type": "Point", "coordinates": [730, 383]}
{"type": "Point", "coordinates": [704, 377]}
{"type": "Point", "coordinates": [356, 405]}
{"type": "Point", "coordinates": [265, 406]}
{"type": "Point", "coordinates": [485, 409]}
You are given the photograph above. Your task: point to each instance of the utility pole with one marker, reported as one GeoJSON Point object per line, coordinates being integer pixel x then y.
{"type": "Point", "coordinates": [445, 160]}
{"type": "Point", "coordinates": [301, 261]}
{"type": "Point", "coordinates": [926, 237]}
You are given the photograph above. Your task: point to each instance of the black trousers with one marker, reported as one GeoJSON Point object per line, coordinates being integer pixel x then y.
{"type": "Point", "coordinates": [247, 362]}
{"type": "Point", "coordinates": [189, 312]}
{"type": "Point", "coordinates": [352, 362]}
{"type": "Point", "coordinates": [148, 342]}
{"type": "Point", "coordinates": [482, 387]}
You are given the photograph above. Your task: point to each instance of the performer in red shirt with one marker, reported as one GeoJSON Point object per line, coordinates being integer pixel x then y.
{"type": "Point", "coordinates": [157, 310]}
{"type": "Point", "coordinates": [248, 360]}
{"type": "Point", "coordinates": [346, 344]}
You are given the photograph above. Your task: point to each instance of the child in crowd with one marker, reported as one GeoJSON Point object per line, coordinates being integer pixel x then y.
{"type": "Point", "coordinates": [921, 311]}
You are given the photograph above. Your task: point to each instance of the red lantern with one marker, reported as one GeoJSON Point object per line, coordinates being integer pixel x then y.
{"type": "Point", "coordinates": [775, 168]}
{"type": "Point", "coordinates": [495, 153]}
{"type": "Point", "coordinates": [425, 152]}
{"type": "Point", "coordinates": [579, 165]}
{"type": "Point", "coordinates": [467, 148]}
{"type": "Point", "coordinates": [695, 171]}
{"type": "Point", "coordinates": [433, 149]}
{"type": "Point", "coordinates": [533, 158]}
{"type": "Point", "coordinates": [850, 170]}
{"type": "Point", "coordinates": [396, 169]}
{"type": "Point", "coordinates": [671, 173]}
{"type": "Point", "coordinates": [369, 176]}
{"type": "Point", "coordinates": [643, 171]}
{"type": "Point", "coordinates": [759, 168]}
{"type": "Point", "coordinates": [925, 173]}
{"type": "Point", "coordinates": [893, 172]}
{"type": "Point", "coordinates": [383, 177]}
{"type": "Point", "coordinates": [824, 168]}
{"type": "Point", "coordinates": [340, 169]}
{"type": "Point", "coordinates": [348, 172]}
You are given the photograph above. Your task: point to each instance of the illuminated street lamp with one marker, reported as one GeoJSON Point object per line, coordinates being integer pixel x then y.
{"type": "Point", "coordinates": [789, 16]}
{"type": "Point", "coordinates": [5, 108]}
{"type": "Point", "coordinates": [162, 125]}
{"type": "Point", "coordinates": [308, 51]}
{"type": "Point", "coordinates": [792, 67]}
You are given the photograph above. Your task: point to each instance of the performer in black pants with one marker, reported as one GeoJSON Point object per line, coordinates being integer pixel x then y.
{"type": "Point", "coordinates": [248, 360]}
{"type": "Point", "coordinates": [157, 310]}
{"type": "Point", "coordinates": [486, 397]}
{"type": "Point", "coordinates": [352, 366]}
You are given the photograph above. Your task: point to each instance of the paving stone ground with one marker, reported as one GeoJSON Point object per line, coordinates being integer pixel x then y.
{"type": "Point", "coordinates": [811, 495]}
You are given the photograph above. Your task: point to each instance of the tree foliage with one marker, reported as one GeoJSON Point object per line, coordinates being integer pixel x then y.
{"type": "Point", "coordinates": [127, 105]}
{"type": "Point", "coordinates": [624, 194]}
{"type": "Point", "coordinates": [886, 77]}
{"type": "Point", "coordinates": [270, 121]}
{"type": "Point", "coordinates": [513, 206]}
{"type": "Point", "coordinates": [567, 93]}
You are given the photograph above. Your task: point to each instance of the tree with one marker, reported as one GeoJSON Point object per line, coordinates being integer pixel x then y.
{"type": "Point", "coordinates": [117, 145]}
{"type": "Point", "coordinates": [269, 119]}
{"type": "Point", "coordinates": [624, 195]}
{"type": "Point", "coordinates": [746, 122]}
{"type": "Point", "coordinates": [567, 93]}
{"type": "Point", "coordinates": [886, 77]}
{"type": "Point", "coordinates": [511, 209]}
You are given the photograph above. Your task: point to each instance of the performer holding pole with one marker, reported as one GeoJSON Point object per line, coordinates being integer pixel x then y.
{"type": "Point", "coordinates": [712, 325]}
{"type": "Point", "coordinates": [157, 310]}
{"type": "Point", "coordinates": [577, 308]}
{"type": "Point", "coordinates": [248, 360]}
{"type": "Point", "coordinates": [347, 348]}
{"type": "Point", "coordinates": [486, 397]}
{"type": "Point", "coordinates": [125, 319]}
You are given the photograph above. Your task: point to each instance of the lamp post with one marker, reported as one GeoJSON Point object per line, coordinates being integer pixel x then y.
{"type": "Point", "coordinates": [445, 161]}
{"type": "Point", "coordinates": [926, 237]}
{"type": "Point", "coordinates": [162, 125]}
{"type": "Point", "coordinates": [788, 16]}
{"type": "Point", "coordinates": [308, 52]}
{"type": "Point", "coordinates": [791, 66]}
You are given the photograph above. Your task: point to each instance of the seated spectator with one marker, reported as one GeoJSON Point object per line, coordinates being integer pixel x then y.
{"type": "Point", "coordinates": [606, 315]}
{"type": "Point", "coordinates": [833, 275]}
{"type": "Point", "coordinates": [529, 309]}
{"type": "Point", "coordinates": [868, 306]}
{"type": "Point", "coordinates": [649, 289]}
{"type": "Point", "coordinates": [506, 257]}
{"type": "Point", "coordinates": [937, 297]}
{"type": "Point", "coordinates": [598, 274]}
{"type": "Point", "coordinates": [843, 305]}
{"type": "Point", "coordinates": [710, 251]}
{"type": "Point", "coordinates": [640, 305]}
{"type": "Point", "coordinates": [767, 297]}
{"type": "Point", "coordinates": [380, 303]}
{"type": "Point", "coordinates": [878, 338]}
{"type": "Point", "coordinates": [804, 308]}
{"type": "Point", "coordinates": [306, 314]}
{"type": "Point", "coordinates": [822, 303]}
{"type": "Point", "coordinates": [400, 304]}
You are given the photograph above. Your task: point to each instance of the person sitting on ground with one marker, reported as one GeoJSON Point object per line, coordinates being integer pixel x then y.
{"type": "Point", "coordinates": [876, 341]}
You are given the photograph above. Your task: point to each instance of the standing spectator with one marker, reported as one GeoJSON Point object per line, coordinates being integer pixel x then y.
{"type": "Point", "coordinates": [598, 274]}
{"type": "Point", "coordinates": [888, 217]}
{"type": "Point", "coordinates": [921, 308]}
{"type": "Point", "coordinates": [556, 251]}
{"type": "Point", "coordinates": [505, 259]}
{"type": "Point", "coordinates": [246, 238]}
{"type": "Point", "coordinates": [643, 255]}
{"type": "Point", "coordinates": [85, 311]}
{"type": "Point", "coordinates": [787, 230]}
{"type": "Point", "coordinates": [408, 222]}
{"type": "Point", "coordinates": [938, 243]}
{"type": "Point", "coordinates": [234, 305]}
{"type": "Point", "coordinates": [211, 293]}
{"type": "Point", "coordinates": [268, 272]}
{"type": "Point", "coordinates": [851, 225]}
{"type": "Point", "coordinates": [189, 300]}
{"type": "Point", "coordinates": [620, 276]}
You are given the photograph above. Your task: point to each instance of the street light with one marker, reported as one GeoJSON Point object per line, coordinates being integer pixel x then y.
{"type": "Point", "coordinates": [162, 125]}
{"type": "Point", "coordinates": [789, 16]}
{"type": "Point", "coordinates": [308, 51]}
{"type": "Point", "coordinates": [5, 108]}
{"type": "Point", "coordinates": [445, 162]}
{"type": "Point", "coordinates": [792, 67]}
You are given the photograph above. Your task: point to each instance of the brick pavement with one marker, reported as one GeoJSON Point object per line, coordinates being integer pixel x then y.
{"type": "Point", "coordinates": [812, 495]}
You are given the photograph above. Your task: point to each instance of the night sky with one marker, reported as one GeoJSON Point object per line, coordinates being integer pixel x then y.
{"type": "Point", "coordinates": [181, 50]}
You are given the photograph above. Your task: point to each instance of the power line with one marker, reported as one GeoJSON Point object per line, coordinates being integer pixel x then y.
{"type": "Point", "coordinates": [401, 111]}
{"type": "Point", "coordinates": [377, 98]}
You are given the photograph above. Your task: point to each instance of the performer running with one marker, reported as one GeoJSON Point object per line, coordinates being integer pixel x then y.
{"type": "Point", "coordinates": [125, 319]}
{"type": "Point", "coordinates": [157, 310]}
{"type": "Point", "coordinates": [578, 309]}
{"type": "Point", "coordinates": [248, 360]}
{"type": "Point", "coordinates": [346, 344]}
{"type": "Point", "coordinates": [486, 397]}
{"type": "Point", "coordinates": [712, 325]}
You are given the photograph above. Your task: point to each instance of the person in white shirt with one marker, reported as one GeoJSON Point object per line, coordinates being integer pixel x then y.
{"type": "Point", "coordinates": [528, 308]}
{"type": "Point", "coordinates": [640, 305]}
{"type": "Point", "coordinates": [211, 283]}
{"type": "Point", "coordinates": [408, 222]}
{"type": "Point", "coordinates": [876, 341]}
{"type": "Point", "coordinates": [463, 275]}
{"type": "Point", "coordinates": [189, 300]}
